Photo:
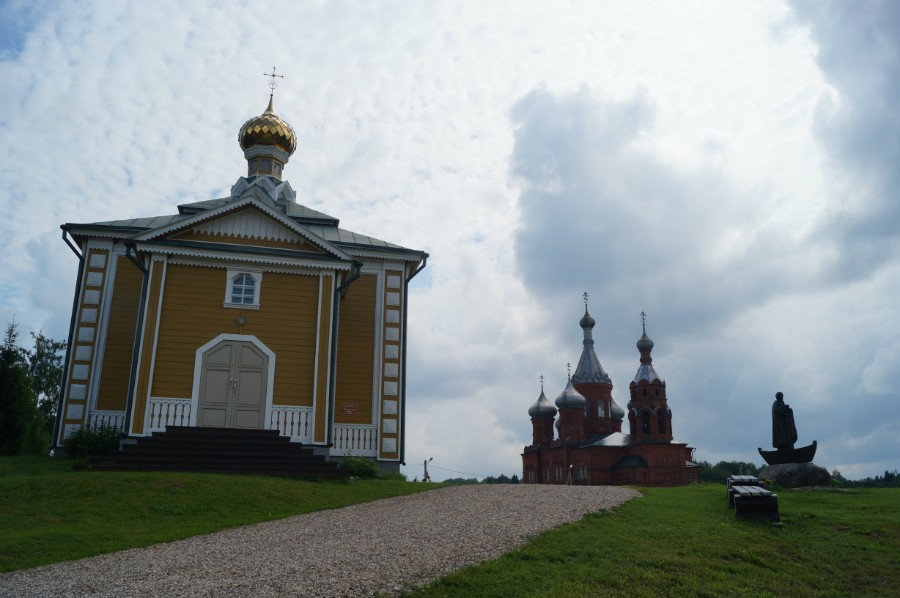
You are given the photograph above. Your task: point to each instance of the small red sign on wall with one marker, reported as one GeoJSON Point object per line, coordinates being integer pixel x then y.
{"type": "Point", "coordinates": [348, 408]}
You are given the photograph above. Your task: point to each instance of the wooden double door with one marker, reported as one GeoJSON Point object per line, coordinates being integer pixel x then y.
{"type": "Point", "coordinates": [233, 386]}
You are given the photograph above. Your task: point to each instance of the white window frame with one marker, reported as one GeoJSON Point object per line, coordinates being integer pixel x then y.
{"type": "Point", "coordinates": [231, 274]}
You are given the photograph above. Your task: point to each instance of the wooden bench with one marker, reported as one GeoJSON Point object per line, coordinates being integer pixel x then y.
{"type": "Point", "coordinates": [754, 502]}
{"type": "Point", "coordinates": [739, 480]}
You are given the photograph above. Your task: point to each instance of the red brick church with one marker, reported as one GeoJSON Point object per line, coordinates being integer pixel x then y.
{"type": "Point", "coordinates": [590, 447]}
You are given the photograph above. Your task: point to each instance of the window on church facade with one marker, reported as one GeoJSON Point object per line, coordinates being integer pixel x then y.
{"type": "Point", "coordinates": [242, 288]}
{"type": "Point", "coordinates": [646, 423]}
{"type": "Point", "coordinates": [661, 423]}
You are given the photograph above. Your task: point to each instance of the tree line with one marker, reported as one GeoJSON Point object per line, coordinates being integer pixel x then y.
{"type": "Point", "coordinates": [500, 479]}
{"type": "Point", "coordinates": [30, 380]}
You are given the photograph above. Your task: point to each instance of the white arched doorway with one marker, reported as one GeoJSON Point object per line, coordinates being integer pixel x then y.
{"type": "Point", "coordinates": [233, 378]}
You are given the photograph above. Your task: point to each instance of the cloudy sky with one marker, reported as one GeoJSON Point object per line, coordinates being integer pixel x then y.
{"type": "Point", "coordinates": [728, 167]}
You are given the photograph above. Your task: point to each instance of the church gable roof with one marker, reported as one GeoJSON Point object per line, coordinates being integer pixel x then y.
{"type": "Point", "coordinates": [295, 211]}
{"type": "Point", "coordinates": [241, 221]}
{"type": "Point", "coordinates": [247, 226]}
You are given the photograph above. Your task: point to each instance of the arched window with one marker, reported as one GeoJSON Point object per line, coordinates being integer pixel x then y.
{"type": "Point", "coordinates": [242, 288]}
{"type": "Point", "coordinates": [646, 423]}
{"type": "Point", "coordinates": [661, 424]}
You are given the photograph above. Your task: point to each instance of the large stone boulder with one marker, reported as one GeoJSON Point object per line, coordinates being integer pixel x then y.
{"type": "Point", "coordinates": [796, 475]}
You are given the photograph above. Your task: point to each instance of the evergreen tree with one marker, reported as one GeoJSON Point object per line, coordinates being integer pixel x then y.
{"type": "Point", "coordinates": [21, 424]}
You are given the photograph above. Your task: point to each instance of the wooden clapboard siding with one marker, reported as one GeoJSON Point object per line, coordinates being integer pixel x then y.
{"type": "Point", "coordinates": [356, 350]}
{"type": "Point", "coordinates": [123, 313]}
{"type": "Point", "coordinates": [193, 314]}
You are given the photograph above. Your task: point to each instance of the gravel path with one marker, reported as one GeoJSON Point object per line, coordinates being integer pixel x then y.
{"type": "Point", "coordinates": [379, 546]}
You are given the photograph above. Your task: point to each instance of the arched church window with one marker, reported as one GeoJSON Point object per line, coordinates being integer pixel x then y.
{"type": "Point", "coordinates": [242, 288]}
{"type": "Point", "coordinates": [661, 423]}
{"type": "Point", "coordinates": [645, 420]}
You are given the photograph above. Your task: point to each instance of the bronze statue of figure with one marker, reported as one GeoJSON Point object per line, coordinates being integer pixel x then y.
{"type": "Point", "coordinates": [784, 435]}
{"type": "Point", "coordinates": [784, 431]}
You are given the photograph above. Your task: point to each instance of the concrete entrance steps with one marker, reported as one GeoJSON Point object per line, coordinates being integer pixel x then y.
{"type": "Point", "coordinates": [220, 450]}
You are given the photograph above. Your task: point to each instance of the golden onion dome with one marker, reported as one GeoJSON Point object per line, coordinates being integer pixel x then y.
{"type": "Point", "coordinates": [268, 129]}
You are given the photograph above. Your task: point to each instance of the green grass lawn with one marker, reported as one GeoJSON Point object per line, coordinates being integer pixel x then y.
{"type": "Point", "coordinates": [672, 542]}
{"type": "Point", "coordinates": [51, 513]}
{"type": "Point", "coordinates": [686, 542]}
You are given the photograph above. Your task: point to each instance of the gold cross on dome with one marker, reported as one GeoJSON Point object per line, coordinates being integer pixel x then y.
{"type": "Point", "coordinates": [273, 79]}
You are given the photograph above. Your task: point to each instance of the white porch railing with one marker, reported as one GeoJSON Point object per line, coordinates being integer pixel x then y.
{"type": "Point", "coordinates": [113, 419]}
{"type": "Point", "coordinates": [355, 439]}
{"type": "Point", "coordinates": [168, 412]}
{"type": "Point", "coordinates": [295, 422]}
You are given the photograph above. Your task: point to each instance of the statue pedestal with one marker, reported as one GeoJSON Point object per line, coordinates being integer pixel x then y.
{"type": "Point", "coordinates": [796, 475]}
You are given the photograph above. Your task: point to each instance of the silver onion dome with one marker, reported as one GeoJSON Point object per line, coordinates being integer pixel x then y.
{"type": "Point", "coordinates": [615, 411]}
{"type": "Point", "coordinates": [644, 343]}
{"type": "Point", "coordinates": [542, 409]}
{"type": "Point", "coordinates": [570, 398]}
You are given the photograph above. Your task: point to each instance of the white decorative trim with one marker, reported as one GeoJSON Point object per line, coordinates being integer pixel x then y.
{"type": "Point", "coordinates": [198, 369]}
{"type": "Point", "coordinates": [248, 225]}
{"type": "Point", "coordinates": [327, 263]}
{"type": "Point", "coordinates": [89, 315]}
{"type": "Point", "coordinates": [294, 422]}
{"type": "Point", "coordinates": [393, 298]}
{"type": "Point", "coordinates": [91, 297]}
{"type": "Point", "coordinates": [85, 334]}
{"type": "Point", "coordinates": [391, 370]}
{"type": "Point", "coordinates": [389, 426]}
{"type": "Point", "coordinates": [113, 419]}
{"type": "Point", "coordinates": [234, 206]}
{"type": "Point", "coordinates": [99, 348]}
{"type": "Point", "coordinates": [388, 445]}
{"type": "Point", "coordinates": [393, 281]}
{"type": "Point", "coordinates": [83, 353]}
{"type": "Point", "coordinates": [298, 271]}
{"type": "Point", "coordinates": [94, 279]}
{"type": "Point", "coordinates": [164, 412]}
{"type": "Point", "coordinates": [357, 440]}
{"type": "Point", "coordinates": [77, 392]}
{"type": "Point", "coordinates": [391, 333]}
{"type": "Point", "coordinates": [390, 389]}
{"type": "Point", "coordinates": [389, 407]}
{"type": "Point", "coordinates": [392, 351]}
{"type": "Point", "coordinates": [80, 371]}
{"type": "Point", "coordinates": [75, 411]}
{"type": "Point", "coordinates": [98, 260]}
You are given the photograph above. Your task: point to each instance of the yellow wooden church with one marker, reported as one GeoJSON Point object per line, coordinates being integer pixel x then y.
{"type": "Point", "coordinates": [250, 311]}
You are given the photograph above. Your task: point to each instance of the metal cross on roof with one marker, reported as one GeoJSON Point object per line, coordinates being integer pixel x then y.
{"type": "Point", "coordinates": [586, 297]}
{"type": "Point", "coordinates": [273, 79]}
{"type": "Point", "coordinates": [542, 383]}
{"type": "Point", "coordinates": [569, 369]}
{"type": "Point", "coordinates": [644, 321]}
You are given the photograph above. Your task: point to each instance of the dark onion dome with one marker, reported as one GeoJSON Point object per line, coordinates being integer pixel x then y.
{"type": "Point", "coordinates": [570, 398]}
{"type": "Point", "coordinates": [644, 343]}
{"type": "Point", "coordinates": [615, 411]}
{"type": "Point", "coordinates": [268, 129]}
{"type": "Point", "coordinates": [542, 409]}
{"type": "Point", "coordinates": [587, 321]}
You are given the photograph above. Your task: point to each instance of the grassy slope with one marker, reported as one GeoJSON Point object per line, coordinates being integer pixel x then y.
{"type": "Point", "coordinates": [685, 541]}
{"type": "Point", "coordinates": [50, 513]}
